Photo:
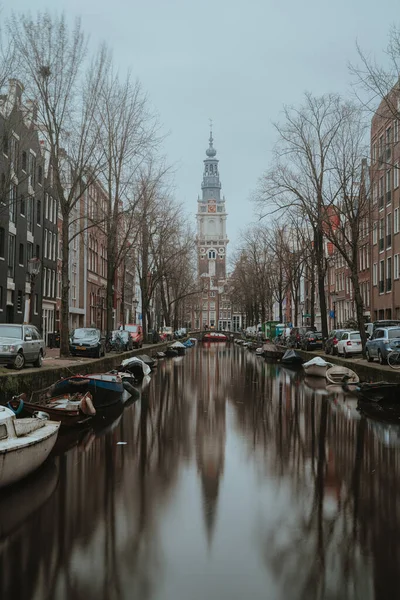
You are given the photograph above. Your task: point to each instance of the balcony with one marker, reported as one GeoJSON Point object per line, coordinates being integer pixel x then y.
{"type": "Point", "coordinates": [388, 240]}
{"type": "Point", "coordinates": [388, 197]}
{"type": "Point", "coordinates": [381, 287]}
{"type": "Point", "coordinates": [381, 244]}
{"type": "Point", "coordinates": [389, 284]}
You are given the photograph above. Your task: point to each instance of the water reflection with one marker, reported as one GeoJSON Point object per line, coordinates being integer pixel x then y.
{"type": "Point", "coordinates": [235, 479]}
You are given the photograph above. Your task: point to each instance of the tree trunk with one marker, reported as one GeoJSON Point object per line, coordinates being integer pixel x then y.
{"type": "Point", "coordinates": [359, 307]}
{"type": "Point", "coordinates": [65, 284]}
{"type": "Point", "coordinates": [319, 251]}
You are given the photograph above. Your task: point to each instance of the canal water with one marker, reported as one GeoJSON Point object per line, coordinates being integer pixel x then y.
{"type": "Point", "coordinates": [228, 478]}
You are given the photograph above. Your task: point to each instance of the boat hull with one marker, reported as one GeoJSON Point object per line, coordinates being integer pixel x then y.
{"type": "Point", "coordinates": [27, 455]}
{"type": "Point", "coordinates": [315, 370]}
{"type": "Point", "coordinates": [105, 391]}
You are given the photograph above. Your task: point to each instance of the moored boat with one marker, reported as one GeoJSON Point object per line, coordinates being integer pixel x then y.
{"type": "Point", "coordinates": [214, 336]}
{"type": "Point", "coordinates": [272, 351]}
{"type": "Point", "coordinates": [106, 388]}
{"type": "Point", "coordinates": [24, 446]}
{"type": "Point", "coordinates": [380, 391]}
{"type": "Point", "coordinates": [316, 367]}
{"type": "Point", "coordinates": [291, 358]}
{"type": "Point", "coordinates": [135, 366]}
{"type": "Point", "coordinates": [70, 409]}
{"type": "Point", "coordinates": [151, 362]}
{"type": "Point", "coordinates": [336, 374]}
{"type": "Point", "coordinates": [179, 347]}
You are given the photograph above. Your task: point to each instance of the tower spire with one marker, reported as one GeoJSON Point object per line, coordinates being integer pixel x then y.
{"type": "Point", "coordinates": [211, 151]}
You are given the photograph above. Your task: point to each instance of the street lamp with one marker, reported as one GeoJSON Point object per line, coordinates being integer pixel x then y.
{"type": "Point", "coordinates": [34, 265]}
{"type": "Point", "coordinates": [135, 303]}
{"type": "Point", "coordinates": [334, 299]}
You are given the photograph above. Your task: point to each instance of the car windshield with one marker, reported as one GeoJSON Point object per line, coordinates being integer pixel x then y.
{"type": "Point", "coordinates": [132, 328]}
{"type": "Point", "coordinates": [85, 333]}
{"type": "Point", "coordinates": [11, 331]}
{"type": "Point", "coordinates": [318, 335]}
{"type": "Point", "coordinates": [355, 336]}
{"type": "Point", "coordinates": [393, 333]}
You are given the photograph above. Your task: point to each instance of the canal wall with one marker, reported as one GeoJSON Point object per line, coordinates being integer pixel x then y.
{"type": "Point", "coordinates": [365, 370]}
{"type": "Point", "coordinates": [27, 380]}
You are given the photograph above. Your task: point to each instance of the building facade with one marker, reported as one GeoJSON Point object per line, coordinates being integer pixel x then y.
{"type": "Point", "coordinates": [22, 185]}
{"type": "Point", "coordinates": [385, 238]}
{"type": "Point", "coordinates": [211, 244]}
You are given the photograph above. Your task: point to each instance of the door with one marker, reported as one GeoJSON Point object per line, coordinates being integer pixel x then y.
{"type": "Point", "coordinates": [29, 344]}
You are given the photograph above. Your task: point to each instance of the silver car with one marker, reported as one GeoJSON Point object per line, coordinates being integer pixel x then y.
{"type": "Point", "coordinates": [20, 344]}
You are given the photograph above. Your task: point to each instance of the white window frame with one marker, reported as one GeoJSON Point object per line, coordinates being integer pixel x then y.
{"type": "Point", "coordinates": [375, 233]}
{"type": "Point", "coordinates": [396, 176]}
{"type": "Point", "coordinates": [396, 266]}
{"type": "Point", "coordinates": [375, 274]}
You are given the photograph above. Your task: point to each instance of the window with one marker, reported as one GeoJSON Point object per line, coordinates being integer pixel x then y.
{"type": "Point", "coordinates": [396, 176]}
{"type": "Point", "coordinates": [37, 251]}
{"type": "Point", "coordinates": [375, 233]}
{"type": "Point", "coordinates": [395, 131]}
{"type": "Point", "coordinates": [11, 256]}
{"type": "Point", "coordinates": [381, 277]}
{"type": "Point", "coordinates": [13, 203]}
{"type": "Point", "coordinates": [32, 169]}
{"type": "Point", "coordinates": [381, 234]}
{"type": "Point", "coordinates": [38, 211]}
{"type": "Point", "coordinates": [388, 186]}
{"type": "Point", "coordinates": [19, 301]}
{"type": "Point", "coordinates": [396, 266]}
{"type": "Point", "coordinates": [21, 255]}
{"type": "Point", "coordinates": [29, 251]}
{"type": "Point", "coordinates": [1, 297]}
{"type": "Point", "coordinates": [2, 242]}
{"type": "Point", "coordinates": [396, 221]}
{"type": "Point", "coordinates": [24, 161]}
{"type": "Point", "coordinates": [374, 152]}
{"type": "Point", "coordinates": [36, 304]}
{"type": "Point", "coordinates": [211, 254]}
{"type": "Point", "coordinates": [388, 230]}
{"type": "Point", "coordinates": [29, 213]}
{"type": "Point", "coordinates": [380, 193]}
{"type": "Point", "coordinates": [45, 243]}
{"type": "Point", "coordinates": [22, 205]}
{"type": "Point", "coordinates": [388, 136]}
{"type": "Point", "coordinates": [374, 193]}
{"type": "Point", "coordinates": [389, 274]}
{"type": "Point", "coordinates": [44, 281]}
{"type": "Point", "coordinates": [40, 175]}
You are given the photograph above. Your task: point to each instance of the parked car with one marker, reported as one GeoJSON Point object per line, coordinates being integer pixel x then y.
{"type": "Point", "coordinates": [332, 340]}
{"type": "Point", "coordinates": [349, 343]}
{"type": "Point", "coordinates": [20, 344]}
{"type": "Point", "coordinates": [370, 327]}
{"type": "Point", "coordinates": [87, 341]}
{"type": "Point", "coordinates": [381, 343]}
{"type": "Point", "coordinates": [136, 333]}
{"type": "Point", "coordinates": [312, 340]}
{"type": "Point", "coordinates": [296, 336]}
{"type": "Point", "coordinates": [125, 339]}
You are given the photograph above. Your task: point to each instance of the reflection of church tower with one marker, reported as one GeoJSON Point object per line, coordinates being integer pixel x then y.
{"type": "Point", "coordinates": [211, 240]}
{"type": "Point", "coordinates": [210, 442]}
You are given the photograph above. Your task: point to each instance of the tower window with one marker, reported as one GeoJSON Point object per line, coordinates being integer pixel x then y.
{"type": "Point", "coordinates": [212, 254]}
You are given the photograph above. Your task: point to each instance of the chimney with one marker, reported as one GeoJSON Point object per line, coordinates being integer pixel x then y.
{"type": "Point", "coordinates": [15, 89]}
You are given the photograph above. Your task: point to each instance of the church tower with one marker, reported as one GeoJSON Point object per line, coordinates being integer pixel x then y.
{"type": "Point", "coordinates": [211, 219]}
{"type": "Point", "coordinates": [211, 239]}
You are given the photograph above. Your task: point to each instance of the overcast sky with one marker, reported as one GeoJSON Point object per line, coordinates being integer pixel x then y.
{"type": "Point", "coordinates": [235, 61]}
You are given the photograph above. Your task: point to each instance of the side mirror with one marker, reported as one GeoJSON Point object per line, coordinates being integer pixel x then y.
{"type": "Point", "coordinates": [28, 338]}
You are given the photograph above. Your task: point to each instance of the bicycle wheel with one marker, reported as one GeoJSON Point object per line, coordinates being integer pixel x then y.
{"type": "Point", "coordinates": [394, 359]}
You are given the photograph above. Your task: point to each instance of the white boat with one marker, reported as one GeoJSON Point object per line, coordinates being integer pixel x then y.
{"type": "Point", "coordinates": [336, 373]}
{"type": "Point", "coordinates": [316, 367]}
{"type": "Point", "coordinates": [24, 445]}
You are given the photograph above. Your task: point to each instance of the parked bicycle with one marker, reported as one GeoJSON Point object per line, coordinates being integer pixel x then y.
{"type": "Point", "coordinates": [115, 343]}
{"type": "Point", "coordinates": [393, 359]}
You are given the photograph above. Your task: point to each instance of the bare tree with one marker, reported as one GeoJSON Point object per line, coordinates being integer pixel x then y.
{"type": "Point", "coordinates": [54, 64]}
{"type": "Point", "coordinates": [129, 134]}
{"type": "Point", "coordinates": [299, 179]}
{"type": "Point", "coordinates": [348, 221]}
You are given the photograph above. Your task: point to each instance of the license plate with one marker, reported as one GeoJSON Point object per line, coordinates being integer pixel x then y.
{"type": "Point", "coordinates": [80, 348]}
